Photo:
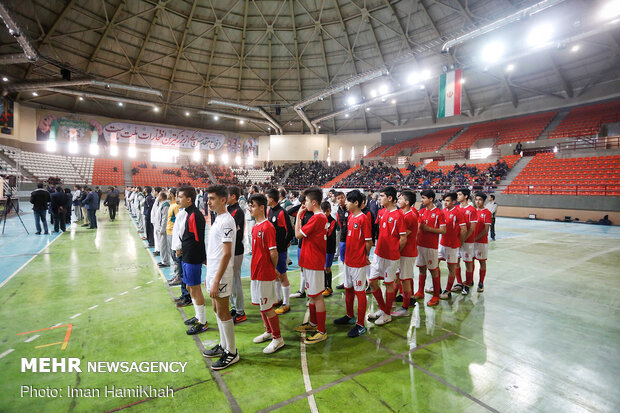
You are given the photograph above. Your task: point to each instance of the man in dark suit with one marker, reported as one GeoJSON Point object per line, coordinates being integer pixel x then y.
{"type": "Point", "coordinates": [59, 200]}
{"type": "Point", "coordinates": [91, 203]}
{"type": "Point", "coordinates": [149, 201]}
{"type": "Point", "coordinates": [40, 198]}
{"type": "Point", "coordinates": [111, 201]}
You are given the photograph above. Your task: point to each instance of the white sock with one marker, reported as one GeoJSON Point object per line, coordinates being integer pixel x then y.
{"type": "Point", "coordinates": [229, 331]}
{"type": "Point", "coordinates": [278, 290]}
{"type": "Point", "coordinates": [195, 308]}
{"type": "Point", "coordinates": [202, 315]}
{"type": "Point", "coordinates": [302, 283]}
{"type": "Point", "coordinates": [286, 292]}
{"type": "Point", "coordinates": [222, 336]}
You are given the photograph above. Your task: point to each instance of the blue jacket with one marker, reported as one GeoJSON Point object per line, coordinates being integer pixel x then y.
{"type": "Point", "coordinates": [91, 201]}
{"type": "Point", "coordinates": [58, 199]}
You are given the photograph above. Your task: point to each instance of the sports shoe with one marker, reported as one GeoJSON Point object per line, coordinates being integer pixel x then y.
{"type": "Point", "coordinates": [480, 287]}
{"type": "Point", "coordinates": [457, 288]}
{"type": "Point", "coordinates": [263, 337]}
{"type": "Point", "coordinates": [197, 329]}
{"type": "Point", "coordinates": [445, 295]}
{"type": "Point", "coordinates": [340, 287]}
{"type": "Point", "coordinates": [37, 233]}
{"type": "Point", "coordinates": [279, 303]}
{"type": "Point", "coordinates": [226, 360]}
{"type": "Point", "coordinates": [298, 294]}
{"type": "Point", "coordinates": [275, 345]}
{"type": "Point", "coordinates": [316, 338]}
{"type": "Point", "coordinates": [305, 327]}
{"type": "Point", "coordinates": [327, 292]}
{"type": "Point", "coordinates": [384, 319]}
{"type": "Point", "coordinates": [156, 253]}
{"type": "Point", "coordinates": [289, 262]}
{"type": "Point", "coordinates": [190, 321]}
{"type": "Point", "coordinates": [400, 312]}
{"type": "Point", "coordinates": [162, 265]}
{"type": "Point", "coordinates": [357, 331]}
{"type": "Point", "coordinates": [433, 302]}
{"type": "Point", "coordinates": [283, 309]}
{"type": "Point", "coordinates": [214, 352]}
{"type": "Point", "coordinates": [233, 312]}
{"type": "Point", "coordinates": [239, 318]}
{"type": "Point", "coordinates": [375, 315]}
{"type": "Point", "coordinates": [399, 298]}
{"type": "Point", "coordinates": [429, 290]}
{"type": "Point", "coordinates": [344, 320]}
{"type": "Point", "coordinates": [184, 303]}
{"type": "Point", "coordinates": [419, 296]}
{"type": "Point", "coordinates": [465, 290]}
{"type": "Point", "coordinates": [175, 281]}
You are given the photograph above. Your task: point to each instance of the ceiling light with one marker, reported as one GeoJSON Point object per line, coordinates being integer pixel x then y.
{"type": "Point", "coordinates": [120, 103]}
{"type": "Point", "coordinates": [351, 100]}
{"type": "Point", "coordinates": [540, 35]}
{"type": "Point", "coordinates": [155, 109]}
{"type": "Point", "coordinates": [575, 48]}
{"type": "Point", "coordinates": [413, 79]}
{"type": "Point", "coordinates": [610, 10]}
{"type": "Point", "coordinates": [80, 98]}
{"type": "Point", "coordinates": [510, 67]}
{"type": "Point", "coordinates": [35, 94]}
{"type": "Point", "coordinates": [5, 79]}
{"type": "Point", "coordinates": [462, 81]}
{"type": "Point", "coordinates": [319, 126]}
{"type": "Point", "coordinates": [383, 89]}
{"type": "Point", "coordinates": [186, 113]}
{"type": "Point", "coordinates": [373, 93]}
{"type": "Point", "coordinates": [216, 118]}
{"type": "Point", "coordinates": [393, 101]}
{"type": "Point", "coordinates": [241, 122]}
{"type": "Point", "coordinates": [492, 52]}
{"type": "Point", "coordinates": [426, 74]}
{"type": "Point", "coordinates": [367, 109]}
{"type": "Point", "coordinates": [346, 115]}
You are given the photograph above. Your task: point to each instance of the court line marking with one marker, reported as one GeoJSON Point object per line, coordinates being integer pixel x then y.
{"type": "Point", "coordinates": [28, 340]}
{"type": "Point", "coordinates": [124, 292]}
{"type": "Point", "coordinates": [76, 315]}
{"type": "Point", "coordinates": [109, 299]}
{"type": "Point", "coordinates": [353, 375]}
{"type": "Point", "coordinates": [93, 307]}
{"type": "Point", "coordinates": [304, 367]}
{"type": "Point", "coordinates": [6, 353]}
{"type": "Point", "coordinates": [135, 288]}
{"type": "Point", "coordinates": [217, 376]}
{"type": "Point", "coordinates": [28, 262]}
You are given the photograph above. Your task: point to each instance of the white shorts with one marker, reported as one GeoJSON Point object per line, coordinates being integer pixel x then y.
{"type": "Point", "coordinates": [466, 252]}
{"type": "Point", "coordinates": [263, 294]}
{"type": "Point", "coordinates": [315, 282]}
{"type": "Point", "coordinates": [481, 251]}
{"type": "Point", "coordinates": [355, 278]}
{"type": "Point", "coordinates": [407, 264]}
{"type": "Point", "coordinates": [427, 257]}
{"type": "Point", "coordinates": [225, 286]}
{"type": "Point", "coordinates": [383, 269]}
{"type": "Point", "coordinates": [447, 254]}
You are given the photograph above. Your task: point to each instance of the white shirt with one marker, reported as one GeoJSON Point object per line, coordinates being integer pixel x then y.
{"type": "Point", "coordinates": [492, 206]}
{"type": "Point", "coordinates": [155, 214]}
{"type": "Point", "coordinates": [222, 230]}
{"type": "Point", "coordinates": [178, 229]}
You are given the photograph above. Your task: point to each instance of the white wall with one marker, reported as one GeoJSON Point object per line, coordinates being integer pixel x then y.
{"type": "Point", "coordinates": [296, 147]}
{"type": "Point", "coordinates": [355, 140]}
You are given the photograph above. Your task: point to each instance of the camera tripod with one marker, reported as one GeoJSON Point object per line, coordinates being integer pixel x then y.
{"type": "Point", "coordinates": [7, 208]}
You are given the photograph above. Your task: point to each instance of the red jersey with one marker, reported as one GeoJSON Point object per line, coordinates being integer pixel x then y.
{"type": "Point", "coordinates": [484, 217]}
{"type": "Point", "coordinates": [314, 247]}
{"type": "Point", "coordinates": [454, 221]}
{"type": "Point", "coordinates": [470, 213]}
{"type": "Point", "coordinates": [433, 218]}
{"type": "Point", "coordinates": [358, 232]}
{"type": "Point", "coordinates": [411, 224]}
{"type": "Point", "coordinates": [263, 241]}
{"type": "Point", "coordinates": [391, 227]}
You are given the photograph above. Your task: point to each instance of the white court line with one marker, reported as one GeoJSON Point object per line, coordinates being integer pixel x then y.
{"type": "Point", "coordinates": [56, 325]}
{"type": "Point", "coordinates": [32, 338]}
{"type": "Point", "coordinates": [150, 282]}
{"type": "Point", "coordinates": [93, 307]}
{"type": "Point", "coordinates": [75, 315]}
{"type": "Point", "coordinates": [304, 368]}
{"type": "Point", "coordinates": [124, 292]}
{"type": "Point", "coordinates": [28, 262]}
{"type": "Point", "coordinates": [109, 299]}
{"type": "Point", "coordinates": [135, 288]}
{"type": "Point", "coordinates": [9, 351]}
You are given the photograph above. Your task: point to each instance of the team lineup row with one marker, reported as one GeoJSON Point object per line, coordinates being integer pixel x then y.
{"type": "Point", "coordinates": [406, 238]}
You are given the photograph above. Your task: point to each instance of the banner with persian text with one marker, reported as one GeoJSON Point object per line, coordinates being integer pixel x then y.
{"type": "Point", "coordinates": [163, 136]}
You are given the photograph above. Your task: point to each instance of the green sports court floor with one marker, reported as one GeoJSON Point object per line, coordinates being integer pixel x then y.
{"type": "Point", "coordinates": [544, 336]}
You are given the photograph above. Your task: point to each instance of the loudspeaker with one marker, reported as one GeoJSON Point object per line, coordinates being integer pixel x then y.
{"type": "Point", "coordinates": [66, 74]}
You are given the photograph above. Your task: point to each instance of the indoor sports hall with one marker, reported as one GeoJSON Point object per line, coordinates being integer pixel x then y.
{"type": "Point", "coordinates": [309, 206]}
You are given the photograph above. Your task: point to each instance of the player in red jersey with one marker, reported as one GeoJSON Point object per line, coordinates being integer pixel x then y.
{"type": "Point", "coordinates": [431, 224]}
{"type": "Point", "coordinates": [481, 240]}
{"type": "Point", "coordinates": [406, 202]}
{"type": "Point", "coordinates": [466, 252]}
{"type": "Point", "coordinates": [359, 243]}
{"type": "Point", "coordinates": [263, 273]}
{"type": "Point", "coordinates": [312, 261]}
{"type": "Point", "coordinates": [392, 239]}
{"type": "Point", "coordinates": [450, 242]}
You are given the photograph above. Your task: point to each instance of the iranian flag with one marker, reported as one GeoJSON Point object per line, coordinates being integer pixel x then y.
{"type": "Point", "coordinates": [450, 94]}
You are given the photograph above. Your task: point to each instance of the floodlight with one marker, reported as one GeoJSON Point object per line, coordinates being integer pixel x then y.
{"type": "Point", "coordinates": [540, 35]}
{"type": "Point", "coordinates": [492, 52]}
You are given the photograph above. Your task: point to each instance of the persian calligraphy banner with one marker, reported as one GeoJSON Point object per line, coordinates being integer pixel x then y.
{"type": "Point", "coordinates": [163, 136]}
